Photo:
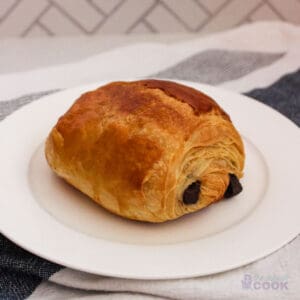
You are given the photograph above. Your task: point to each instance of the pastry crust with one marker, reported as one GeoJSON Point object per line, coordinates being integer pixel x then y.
{"type": "Point", "coordinates": [134, 148]}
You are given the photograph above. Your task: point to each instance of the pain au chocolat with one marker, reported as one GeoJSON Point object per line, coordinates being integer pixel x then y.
{"type": "Point", "coordinates": [149, 150]}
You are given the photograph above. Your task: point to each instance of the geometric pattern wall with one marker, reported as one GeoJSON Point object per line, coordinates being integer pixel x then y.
{"type": "Point", "coordinates": [27, 18]}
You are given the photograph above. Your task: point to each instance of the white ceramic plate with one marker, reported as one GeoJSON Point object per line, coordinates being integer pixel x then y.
{"type": "Point", "coordinates": [44, 215]}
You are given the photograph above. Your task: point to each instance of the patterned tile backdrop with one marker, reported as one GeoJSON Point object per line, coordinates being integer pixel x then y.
{"type": "Point", "coordinates": [29, 18]}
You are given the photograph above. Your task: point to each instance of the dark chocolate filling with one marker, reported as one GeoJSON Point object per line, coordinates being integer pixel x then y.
{"type": "Point", "coordinates": [234, 187]}
{"type": "Point", "coordinates": [191, 193]}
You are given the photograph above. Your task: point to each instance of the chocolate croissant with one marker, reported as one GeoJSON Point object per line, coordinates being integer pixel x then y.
{"type": "Point", "coordinates": [148, 150]}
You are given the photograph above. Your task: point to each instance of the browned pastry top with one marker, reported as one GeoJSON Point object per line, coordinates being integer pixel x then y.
{"type": "Point", "coordinates": [199, 101]}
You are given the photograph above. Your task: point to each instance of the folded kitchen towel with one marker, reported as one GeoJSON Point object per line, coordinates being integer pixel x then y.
{"type": "Point", "coordinates": [259, 60]}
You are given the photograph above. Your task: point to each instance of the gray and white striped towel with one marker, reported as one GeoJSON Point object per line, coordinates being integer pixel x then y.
{"type": "Point", "coordinates": [262, 61]}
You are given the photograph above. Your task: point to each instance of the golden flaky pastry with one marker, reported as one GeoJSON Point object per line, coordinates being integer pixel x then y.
{"type": "Point", "coordinates": [148, 150]}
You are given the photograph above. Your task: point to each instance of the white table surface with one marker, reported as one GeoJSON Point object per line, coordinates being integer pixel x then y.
{"type": "Point", "coordinates": [20, 54]}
